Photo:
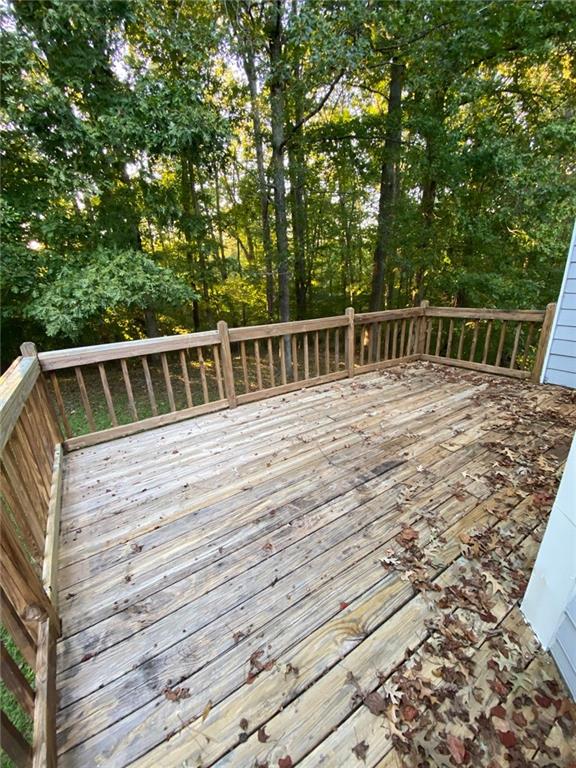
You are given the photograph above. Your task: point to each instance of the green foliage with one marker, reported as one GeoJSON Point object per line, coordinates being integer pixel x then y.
{"type": "Point", "coordinates": [114, 282]}
{"type": "Point", "coordinates": [130, 194]}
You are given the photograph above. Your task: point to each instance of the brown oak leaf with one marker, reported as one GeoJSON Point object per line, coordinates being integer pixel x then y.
{"type": "Point", "coordinates": [508, 738]}
{"type": "Point", "coordinates": [360, 750]}
{"type": "Point", "coordinates": [457, 748]}
{"type": "Point", "coordinates": [285, 762]}
{"type": "Point", "coordinates": [262, 735]}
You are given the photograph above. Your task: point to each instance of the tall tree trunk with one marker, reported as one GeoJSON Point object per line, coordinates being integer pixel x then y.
{"type": "Point", "coordinates": [278, 117]}
{"type": "Point", "coordinates": [221, 252]}
{"type": "Point", "coordinates": [250, 69]}
{"type": "Point", "coordinates": [388, 186]}
{"type": "Point", "coordinates": [298, 206]}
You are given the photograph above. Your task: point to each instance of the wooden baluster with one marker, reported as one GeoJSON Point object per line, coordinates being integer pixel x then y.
{"type": "Point", "coordinates": [317, 353]}
{"type": "Point", "coordinates": [244, 366]}
{"type": "Point", "coordinates": [149, 387]}
{"type": "Point", "coordinates": [487, 342]}
{"type": "Point", "coordinates": [386, 340]}
{"type": "Point", "coordinates": [282, 360]}
{"type": "Point", "coordinates": [15, 681]}
{"type": "Point", "coordinates": [13, 743]}
{"type": "Point", "coordinates": [349, 342]}
{"type": "Point", "coordinates": [21, 575]}
{"type": "Point", "coordinates": [33, 427]}
{"type": "Point", "coordinates": [501, 344]}
{"type": "Point", "coordinates": [450, 334]}
{"type": "Point", "coordinates": [186, 378]}
{"type": "Point", "coordinates": [403, 338]}
{"type": "Point", "coordinates": [362, 344]}
{"type": "Point", "coordinates": [84, 398]}
{"type": "Point", "coordinates": [271, 363]}
{"type": "Point", "coordinates": [461, 340]}
{"type": "Point", "coordinates": [306, 358]}
{"type": "Point", "coordinates": [107, 394]}
{"type": "Point", "coordinates": [129, 392]}
{"type": "Point", "coordinates": [428, 334]}
{"type": "Point", "coordinates": [515, 347]}
{"type": "Point", "coordinates": [327, 350]}
{"type": "Point", "coordinates": [369, 342]}
{"type": "Point", "coordinates": [378, 344]}
{"type": "Point", "coordinates": [474, 342]}
{"type": "Point", "coordinates": [257, 358]}
{"type": "Point", "coordinates": [337, 348]}
{"type": "Point", "coordinates": [60, 404]}
{"type": "Point", "coordinates": [23, 454]}
{"type": "Point", "coordinates": [203, 381]}
{"type": "Point", "coordinates": [168, 381]}
{"type": "Point", "coordinates": [23, 506]}
{"type": "Point", "coordinates": [529, 336]}
{"type": "Point", "coordinates": [294, 343]}
{"type": "Point", "coordinates": [18, 630]}
{"type": "Point", "coordinates": [411, 346]}
{"type": "Point", "coordinates": [218, 369]}
{"type": "Point", "coordinates": [438, 337]}
{"type": "Point", "coordinates": [394, 339]}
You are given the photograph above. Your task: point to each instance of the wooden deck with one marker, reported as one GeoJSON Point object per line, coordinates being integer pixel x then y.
{"type": "Point", "coordinates": [330, 577]}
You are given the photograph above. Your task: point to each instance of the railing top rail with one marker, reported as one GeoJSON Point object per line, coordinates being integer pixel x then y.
{"type": "Point", "coordinates": [474, 313]}
{"type": "Point", "coordinates": [15, 386]}
{"type": "Point", "coordinates": [100, 353]}
{"type": "Point", "coordinates": [387, 314]}
{"type": "Point", "coordinates": [249, 332]}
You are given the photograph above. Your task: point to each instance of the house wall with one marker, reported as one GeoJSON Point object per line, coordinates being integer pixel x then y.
{"type": "Point", "coordinates": [560, 363]}
{"type": "Point", "coordinates": [549, 604]}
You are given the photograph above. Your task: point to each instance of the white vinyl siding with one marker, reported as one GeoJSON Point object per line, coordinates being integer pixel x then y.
{"type": "Point", "coordinates": [560, 363]}
{"type": "Point", "coordinates": [549, 603]}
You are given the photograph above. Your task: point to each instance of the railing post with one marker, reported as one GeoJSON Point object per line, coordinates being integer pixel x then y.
{"type": "Point", "coordinates": [28, 349]}
{"type": "Point", "coordinates": [543, 342]}
{"type": "Point", "coordinates": [350, 342]}
{"type": "Point", "coordinates": [421, 344]}
{"type": "Point", "coordinates": [227, 369]}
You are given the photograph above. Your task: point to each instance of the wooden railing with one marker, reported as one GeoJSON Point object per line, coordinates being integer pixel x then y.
{"type": "Point", "coordinates": [31, 448]}
{"type": "Point", "coordinates": [111, 390]}
{"type": "Point", "coordinates": [92, 394]}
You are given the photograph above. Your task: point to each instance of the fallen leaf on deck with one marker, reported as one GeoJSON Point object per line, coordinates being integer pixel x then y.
{"type": "Point", "coordinates": [343, 605]}
{"type": "Point", "coordinates": [176, 694]}
{"type": "Point", "coordinates": [262, 735]}
{"type": "Point", "coordinates": [244, 724]}
{"type": "Point", "coordinates": [407, 536]}
{"type": "Point", "coordinates": [507, 738]}
{"type": "Point", "coordinates": [285, 762]}
{"type": "Point", "coordinates": [375, 703]}
{"type": "Point", "coordinates": [457, 748]}
{"type": "Point", "coordinates": [360, 750]}
{"type": "Point", "coordinates": [206, 710]}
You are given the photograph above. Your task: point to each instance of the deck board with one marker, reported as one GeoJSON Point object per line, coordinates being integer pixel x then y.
{"type": "Point", "coordinates": [188, 549]}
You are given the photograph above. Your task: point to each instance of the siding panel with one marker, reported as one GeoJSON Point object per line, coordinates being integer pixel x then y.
{"type": "Point", "coordinates": [565, 347]}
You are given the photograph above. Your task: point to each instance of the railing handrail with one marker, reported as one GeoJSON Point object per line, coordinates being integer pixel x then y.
{"type": "Point", "coordinates": [99, 353]}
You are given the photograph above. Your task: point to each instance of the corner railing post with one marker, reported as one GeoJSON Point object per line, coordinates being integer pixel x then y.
{"type": "Point", "coordinates": [543, 342]}
{"type": "Point", "coordinates": [421, 345]}
{"type": "Point", "coordinates": [227, 369]}
{"type": "Point", "coordinates": [28, 349]}
{"type": "Point", "coordinates": [350, 342]}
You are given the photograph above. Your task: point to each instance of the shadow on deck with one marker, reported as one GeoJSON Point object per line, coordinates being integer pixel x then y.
{"type": "Point", "coordinates": [329, 577]}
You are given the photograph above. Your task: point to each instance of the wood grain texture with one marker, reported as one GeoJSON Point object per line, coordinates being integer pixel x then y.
{"type": "Point", "coordinates": [246, 544]}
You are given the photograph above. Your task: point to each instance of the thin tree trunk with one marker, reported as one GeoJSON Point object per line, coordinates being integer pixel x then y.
{"type": "Point", "coordinates": [388, 186]}
{"type": "Point", "coordinates": [278, 117]}
{"type": "Point", "coordinates": [250, 69]}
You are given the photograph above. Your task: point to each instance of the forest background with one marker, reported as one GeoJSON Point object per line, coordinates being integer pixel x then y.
{"type": "Point", "coordinates": [169, 163]}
